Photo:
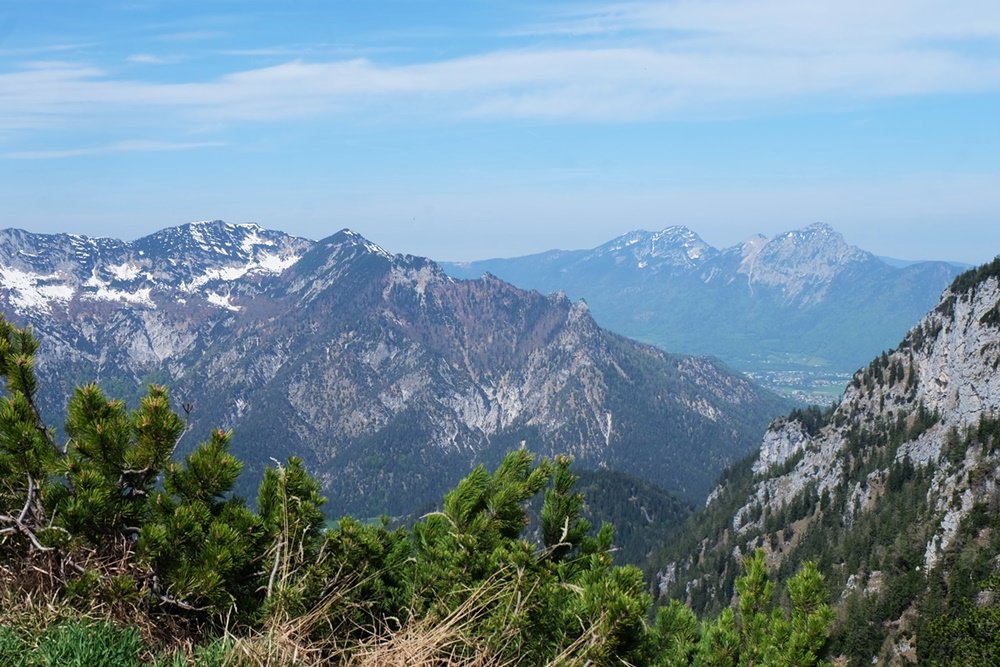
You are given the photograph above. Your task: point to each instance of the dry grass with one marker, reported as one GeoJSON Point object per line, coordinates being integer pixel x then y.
{"type": "Point", "coordinates": [286, 642]}
{"type": "Point", "coordinates": [32, 600]}
{"type": "Point", "coordinates": [426, 643]}
{"type": "Point", "coordinates": [451, 641]}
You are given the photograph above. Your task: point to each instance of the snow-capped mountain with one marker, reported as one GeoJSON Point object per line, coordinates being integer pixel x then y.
{"type": "Point", "coordinates": [803, 300]}
{"type": "Point", "coordinates": [672, 247]}
{"type": "Point", "coordinates": [214, 262]}
{"type": "Point", "coordinates": [387, 376]}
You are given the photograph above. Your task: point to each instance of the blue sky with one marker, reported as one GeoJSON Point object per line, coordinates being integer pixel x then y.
{"type": "Point", "coordinates": [462, 130]}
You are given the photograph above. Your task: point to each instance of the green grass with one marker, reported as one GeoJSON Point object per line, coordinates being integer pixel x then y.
{"type": "Point", "coordinates": [72, 644]}
{"type": "Point", "coordinates": [90, 643]}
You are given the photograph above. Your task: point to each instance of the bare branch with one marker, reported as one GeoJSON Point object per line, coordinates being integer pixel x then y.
{"type": "Point", "coordinates": [19, 527]}
{"type": "Point", "coordinates": [27, 501]}
{"type": "Point", "coordinates": [178, 603]}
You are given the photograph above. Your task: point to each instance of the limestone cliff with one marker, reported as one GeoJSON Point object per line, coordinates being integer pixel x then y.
{"type": "Point", "coordinates": [883, 490]}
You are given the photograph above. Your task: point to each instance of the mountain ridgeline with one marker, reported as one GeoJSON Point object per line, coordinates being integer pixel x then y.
{"type": "Point", "coordinates": [893, 493]}
{"type": "Point", "coordinates": [388, 377]}
{"type": "Point", "coordinates": [803, 300]}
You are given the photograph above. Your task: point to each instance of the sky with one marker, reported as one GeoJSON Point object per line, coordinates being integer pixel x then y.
{"type": "Point", "coordinates": [480, 128]}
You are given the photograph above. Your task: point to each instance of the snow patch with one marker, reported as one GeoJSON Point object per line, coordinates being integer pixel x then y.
{"type": "Point", "coordinates": [226, 273]}
{"type": "Point", "coordinates": [272, 263]}
{"type": "Point", "coordinates": [377, 249]}
{"type": "Point", "coordinates": [28, 291]}
{"type": "Point", "coordinates": [125, 271]}
{"type": "Point", "coordinates": [104, 293]}
{"type": "Point", "coordinates": [267, 263]}
{"type": "Point", "coordinates": [221, 300]}
{"type": "Point", "coordinates": [253, 239]}
{"type": "Point", "coordinates": [196, 234]}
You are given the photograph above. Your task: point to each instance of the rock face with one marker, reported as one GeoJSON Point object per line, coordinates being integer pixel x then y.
{"type": "Point", "coordinates": [888, 489]}
{"type": "Point", "coordinates": [387, 376]}
{"type": "Point", "coordinates": [803, 300]}
{"type": "Point", "coordinates": [802, 266]}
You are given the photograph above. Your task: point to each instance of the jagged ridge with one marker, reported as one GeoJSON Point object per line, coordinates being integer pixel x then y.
{"type": "Point", "coordinates": [389, 377]}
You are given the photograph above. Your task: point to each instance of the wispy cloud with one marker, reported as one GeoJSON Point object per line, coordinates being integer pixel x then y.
{"type": "Point", "coordinates": [150, 59]}
{"type": "Point", "coordinates": [117, 147]}
{"type": "Point", "coordinates": [319, 50]}
{"type": "Point", "coordinates": [787, 25]}
{"type": "Point", "coordinates": [662, 60]}
{"type": "Point", "coordinates": [62, 47]}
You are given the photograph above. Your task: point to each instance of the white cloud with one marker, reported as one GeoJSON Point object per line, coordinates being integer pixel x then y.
{"type": "Point", "coordinates": [663, 60]}
{"type": "Point", "coordinates": [150, 59]}
{"type": "Point", "coordinates": [47, 48]}
{"type": "Point", "coordinates": [117, 147]}
{"type": "Point", "coordinates": [789, 25]}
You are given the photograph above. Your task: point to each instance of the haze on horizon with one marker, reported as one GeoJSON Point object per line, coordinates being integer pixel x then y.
{"type": "Point", "coordinates": [481, 129]}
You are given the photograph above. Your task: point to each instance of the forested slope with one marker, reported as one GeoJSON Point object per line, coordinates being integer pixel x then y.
{"type": "Point", "coordinates": [893, 493]}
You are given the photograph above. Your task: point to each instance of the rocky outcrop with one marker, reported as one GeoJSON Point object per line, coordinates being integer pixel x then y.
{"type": "Point", "coordinates": [924, 412]}
{"type": "Point", "coordinates": [803, 264]}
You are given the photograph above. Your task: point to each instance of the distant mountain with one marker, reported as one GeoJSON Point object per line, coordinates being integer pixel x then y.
{"type": "Point", "coordinates": [902, 263]}
{"type": "Point", "coordinates": [390, 378]}
{"type": "Point", "coordinates": [126, 313]}
{"type": "Point", "coordinates": [804, 299]}
{"type": "Point", "coordinates": [894, 494]}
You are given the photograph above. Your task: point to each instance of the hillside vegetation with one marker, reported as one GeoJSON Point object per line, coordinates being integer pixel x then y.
{"type": "Point", "coordinates": [892, 493]}
{"type": "Point", "coordinates": [114, 552]}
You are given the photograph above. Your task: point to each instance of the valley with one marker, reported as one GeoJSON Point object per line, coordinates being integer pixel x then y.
{"type": "Point", "coordinates": [892, 492]}
{"type": "Point", "coordinates": [391, 381]}
{"type": "Point", "coordinates": [797, 312]}
{"type": "Point", "coordinates": [632, 333]}
{"type": "Point", "coordinates": [388, 377]}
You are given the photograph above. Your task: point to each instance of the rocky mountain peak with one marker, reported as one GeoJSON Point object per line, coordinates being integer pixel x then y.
{"type": "Point", "coordinates": [387, 376]}
{"type": "Point", "coordinates": [675, 246]}
{"type": "Point", "coordinates": [785, 298]}
{"type": "Point", "coordinates": [818, 241]}
{"type": "Point", "coordinates": [221, 243]}
{"type": "Point", "coordinates": [750, 246]}
{"type": "Point", "coordinates": [351, 241]}
{"type": "Point", "coordinates": [343, 254]}
{"type": "Point", "coordinates": [802, 263]}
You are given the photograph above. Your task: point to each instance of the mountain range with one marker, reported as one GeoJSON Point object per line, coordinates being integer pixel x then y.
{"type": "Point", "coordinates": [803, 302]}
{"type": "Point", "coordinates": [388, 377]}
{"type": "Point", "coordinates": [391, 379]}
